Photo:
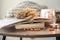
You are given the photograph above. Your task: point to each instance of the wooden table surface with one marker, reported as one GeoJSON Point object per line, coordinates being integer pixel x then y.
{"type": "Point", "coordinates": [18, 33]}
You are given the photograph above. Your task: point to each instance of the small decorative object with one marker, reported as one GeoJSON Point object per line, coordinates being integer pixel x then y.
{"type": "Point", "coordinates": [47, 13]}
{"type": "Point", "coordinates": [55, 26]}
{"type": "Point", "coordinates": [57, 16]}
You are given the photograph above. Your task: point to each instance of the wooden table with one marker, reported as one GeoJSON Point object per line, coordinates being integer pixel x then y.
{"type": "Point", "coordinates": [11, 31]}
{"type": "Point", "coordinates": [18, 33]}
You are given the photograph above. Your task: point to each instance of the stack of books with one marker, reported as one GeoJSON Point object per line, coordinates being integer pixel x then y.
{"type": "Point", "coordinates": [39, 22]}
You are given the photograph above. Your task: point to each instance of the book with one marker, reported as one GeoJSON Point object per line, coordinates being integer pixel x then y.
{"type": "Point", "coordinates": [7, 22]}
{"type": "Point", "coordinates": [29, 25]}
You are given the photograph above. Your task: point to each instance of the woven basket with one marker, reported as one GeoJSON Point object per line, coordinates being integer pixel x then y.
{"type": "Point", "coordinates": [25, 4]}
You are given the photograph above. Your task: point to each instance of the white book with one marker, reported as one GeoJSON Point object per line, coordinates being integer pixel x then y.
{"type": "Point", "coordinates": [9, 21]}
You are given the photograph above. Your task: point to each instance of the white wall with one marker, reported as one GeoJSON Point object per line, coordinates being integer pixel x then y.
{"type": "Point", "coordinates": [0, 8]}
{"type": "Point", "coordinates": [7, 4]}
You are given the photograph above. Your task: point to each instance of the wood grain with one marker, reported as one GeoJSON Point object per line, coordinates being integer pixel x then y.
{"type": "Point", "coordinates": [19, 33]}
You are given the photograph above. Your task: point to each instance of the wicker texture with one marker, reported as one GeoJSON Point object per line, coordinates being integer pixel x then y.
{"type": "Point", "coordinates": [26, 4]}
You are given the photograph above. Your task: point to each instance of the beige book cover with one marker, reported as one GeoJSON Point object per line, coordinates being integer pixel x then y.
{"type": "Point", "coordinates": [31, 25]}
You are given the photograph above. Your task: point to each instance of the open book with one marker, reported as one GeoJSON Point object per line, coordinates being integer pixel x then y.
{"type": "Point", "coordinates": [9, 22]}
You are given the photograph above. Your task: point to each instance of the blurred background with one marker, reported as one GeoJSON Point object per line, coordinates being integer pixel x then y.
{"type": "Point", "coordinates": [5, 5]}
